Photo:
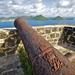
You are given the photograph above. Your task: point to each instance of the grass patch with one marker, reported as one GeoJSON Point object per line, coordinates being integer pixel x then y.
{"type": "Point", "coordinates": [26, 65]}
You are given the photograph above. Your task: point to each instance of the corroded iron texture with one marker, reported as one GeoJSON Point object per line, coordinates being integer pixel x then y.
{"type": "Point", "coordinates": [45, 59]}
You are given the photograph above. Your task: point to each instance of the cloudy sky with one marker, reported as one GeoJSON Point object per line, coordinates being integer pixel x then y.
{"type": "Point", "coordinates": [37, 7]}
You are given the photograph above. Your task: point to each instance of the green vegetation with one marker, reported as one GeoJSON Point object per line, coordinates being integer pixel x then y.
{"type": "Point", "coordinates": [61, 18]}
{"type": "Point", "coordinates": [39, 17]}
{"type": "Point", "coordinates": [26, 65]}
{"type": "Point", "coordinates": [58, 18]}
{"type": "Point", "coordinates": [70, 18]}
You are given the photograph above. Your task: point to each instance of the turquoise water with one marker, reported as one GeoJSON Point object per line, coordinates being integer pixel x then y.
{"type": "Point", "coordinates": [10, 24]}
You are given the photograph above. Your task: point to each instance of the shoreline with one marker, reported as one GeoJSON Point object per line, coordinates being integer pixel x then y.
{"type": "Point", "coordinates": [42, 26]}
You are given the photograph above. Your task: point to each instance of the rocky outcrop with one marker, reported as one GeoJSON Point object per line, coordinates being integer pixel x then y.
{"type": "Point", "coordinates": [10, 65]}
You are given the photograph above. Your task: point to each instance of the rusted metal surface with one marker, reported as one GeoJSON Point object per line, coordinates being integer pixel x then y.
{"type": "Point", "coordinates": [45, 59]}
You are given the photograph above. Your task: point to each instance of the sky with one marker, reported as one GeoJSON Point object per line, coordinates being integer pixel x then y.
{"type": "Point", "coordinates": [48, 8]}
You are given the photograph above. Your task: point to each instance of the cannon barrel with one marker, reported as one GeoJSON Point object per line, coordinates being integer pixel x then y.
{"type": "Point", "coordinates": [45, 59]}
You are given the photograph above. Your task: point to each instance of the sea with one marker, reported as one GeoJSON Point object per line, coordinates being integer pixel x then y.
{"type": "Point", "coordinates": [10, 24]}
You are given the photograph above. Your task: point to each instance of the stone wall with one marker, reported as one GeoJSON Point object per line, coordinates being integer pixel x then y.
{"type": "Point", "coordinates": [3, 35]}
{"type": "Point", "coordinates": [9, 59]}
{"type": "Point", "coordinates": [62, 37]}
{"type": "Point", "coordinates": [67, 38]}
{"type": "Point", "coordinates": [51, 34]}
{"type": "Point", "coordinates": [9, 41]}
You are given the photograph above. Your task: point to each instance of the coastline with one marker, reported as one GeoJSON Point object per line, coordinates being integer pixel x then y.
{"type": "Point", "coordinates": [41, 26]}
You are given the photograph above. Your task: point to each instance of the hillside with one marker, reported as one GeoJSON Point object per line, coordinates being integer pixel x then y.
{"type": "Point", "coordinates": [61, 18]}
{"type": "Point", "coordinates": [39, 17]}
{"type": "Point", "coordinates": [57, 18]}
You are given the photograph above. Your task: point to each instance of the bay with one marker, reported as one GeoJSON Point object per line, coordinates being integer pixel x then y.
{"type": "Point", "coordinates": [10, 24]}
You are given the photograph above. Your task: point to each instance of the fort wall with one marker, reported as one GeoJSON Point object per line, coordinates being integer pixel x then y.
{"type": "Point", "coordinates": [57, 35]}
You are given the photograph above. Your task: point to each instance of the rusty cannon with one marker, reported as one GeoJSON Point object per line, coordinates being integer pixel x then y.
{"type": "Point", "coordinates": [45, 59]}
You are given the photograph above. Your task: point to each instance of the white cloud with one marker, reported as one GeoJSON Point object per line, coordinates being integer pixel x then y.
{"type": "Point", "coordinates": [37, 7]}
{"type": "Point", "coordinates": [66, 7]}
{"type": "Point", "coordinates": [20, 7]}
{"type": "Point", "coordinates": [64, 2]}
{"type": "Point", "coordinates": [50, 12]}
